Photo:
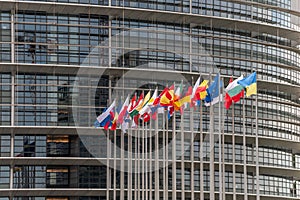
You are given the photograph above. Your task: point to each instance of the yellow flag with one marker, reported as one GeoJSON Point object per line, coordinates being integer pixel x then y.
{"type": "Point", "coordinates": [145, 101]}
{"type": "Point", "coordinates": [251, 89]}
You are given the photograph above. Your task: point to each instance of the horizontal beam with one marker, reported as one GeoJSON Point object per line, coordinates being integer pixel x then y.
{"type": "Point", "coordinates": [153, 15]}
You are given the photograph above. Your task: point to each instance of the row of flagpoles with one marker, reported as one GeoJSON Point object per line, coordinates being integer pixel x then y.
{"type": "Point", "coordinates": [147, 107]}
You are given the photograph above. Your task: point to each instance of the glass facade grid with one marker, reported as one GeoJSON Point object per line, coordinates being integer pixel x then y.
{"type": "Point", "coordinates": [31, 102]}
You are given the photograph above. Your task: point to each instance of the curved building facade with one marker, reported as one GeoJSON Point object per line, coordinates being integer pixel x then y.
{"type": "Point", "coordinates": [63, 61]}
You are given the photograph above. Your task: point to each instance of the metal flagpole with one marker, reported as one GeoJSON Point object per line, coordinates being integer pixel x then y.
{"type": "Point", "coordinates": [156, 168]}
{"type": "Point", "coordinates": [211, 153]}
{"type": "Point", "coordinates": [150, 158]}
{"type": "Point", "coordinates": [135, 166]}
{"type": "Point", "coordinates": [245, 154]}
{"type": "Point", "coordinates": [191, 150]}
{"type": "Point", "coordinates": [182, 155]}
{"type": "Point", "coordinates": [173, 158]}
{"type": "Point", "coordinates": [220, 144]}
{"type": "Point", "coordinates": [256, 145]}
{"type": "Point", "coordinates": [166, 154]}
{"type": "Point", "coordinates": [130, 152]}
{"type": "Point", "coordinates": [201, 155]}
{"type": "Point", "coordinates": [145, 161]}
{"type": "Point", "coordinates": [233, 153]}
{"type": "Point", "coordinates": [223, 143]}
{"type": "Point", "coordinates": [108, 178]}
{"type": "Point", "coordinates": [115, 164]}
{"type": "Point", "coordinates": [109, 155]}
{"type": "Point", "coordinates": [138, 162]}
{"type": "Point", "coordinates": [164, 158]}
{"type": "Point", "coordinates": [122, 166]}
{"type": "Point", "coordinates": [142, 160]}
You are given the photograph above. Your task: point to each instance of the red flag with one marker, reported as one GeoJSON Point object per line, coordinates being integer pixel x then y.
{"type": "Point", "coordinates": [132, 104]}
{"type": "Point", "coordinates": [136, 119]}
{"type": "Point", "coordinates": [228, 99]}
{"type": "Point", "coordinates": [123, 111]}
{"type": "Point", "coordinates": [167, 98]}
{"type": "Point", "coordinates": [237, 97]}
{"type": "Point", "coordinates": [156, 101]}
{"type": "Point", "coordinates": [146, 117]}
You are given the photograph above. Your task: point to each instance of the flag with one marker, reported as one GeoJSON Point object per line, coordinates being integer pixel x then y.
{"type": "Point", "coordinates": [235, 90]}
{"type": "Point", "coordinates": [201, 93]}
{"type": "Point", "coordinates": [227, 98]}
{"type": "Point", "coordinates": [114, 122]}
{"type": "Point", "coordinates": [123, 111]}
{"type": "Point", "coordinates": [146, 117]}
{"type": "Point", "coordinates": [143, 104]}
{"type": "Point", "coordinates": [156, 110]}
{"type": "Point", "coordinates": [195, 87]}
{"type": "Point", "coordinates": [106, 113]}
{"type": "Point", "coordinates": [135, 121]}
{"type": "Point", "coordinates": [133, 111]}
{"type": "Point", "coordinates": [213, 92]}
{"type": "Point", "coordinates": [167, 98]}
{"type": "Point", "coordinates": [132, 104]}
{"type": "Point", "coordinates": [250, 84]}
{"type": "Point", "coordinates": [157, 100]}
{"type": "Point", "coordinates": [186, 99]}
{"type": "Point", "coordinates": [177, 97]}
{"type": "Point", "coordinates": [110, 118]}
{"type": "Point", "coordinates": [227, 101]}
{"type": "Point", "coordinates": [170, 111]}
{"type": "Point", "coordinates": [181, 104]}
{"type": "Point", "coordinates": [97, 124]}
{"type": "Point", "coordinates": [149, 105]}
{"type": "Point", "coordinates": [178, 92]}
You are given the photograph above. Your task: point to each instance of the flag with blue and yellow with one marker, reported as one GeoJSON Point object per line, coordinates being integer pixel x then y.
{"type": "Point", "coordinates": [250, 84]}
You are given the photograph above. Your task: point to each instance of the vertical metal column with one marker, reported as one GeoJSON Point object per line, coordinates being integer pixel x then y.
{"type": "Point", "coordinates": [146, 159]}
{"type": "Point", "coordinates": [173, 158]}
{"type": "Point", "coordinates": [138, 164]}
{"type": "Point", "coordinates": [220, 144]}
{"type": "Point", "coordinates": [245, 154]}
{"type": "Point", "coordinates": [12, 32]}
{"type": "Point", "coordinates": [156, 168]}
{"type": "Point", "coordinates": [136, 197]}
{"type": "Point", "coordinates": [256, 150]}
{"type": "Point", "coordinates": [122, 166]}
{"type": "Point", "coordinates": [12, 107]}
{"type": "Point", "coordinates": [115, 166]}
{"type": "Point", "coordinates": [142, 160]}
{"type": "Point", "coordinates": [109, 40]}
{"type": "Point", "coordinates": [192, 158]}
{"type": "Point", "coordinates": [150, 159]}
{"type": "Point", "coordinates": [108, 177]}
{"type": "Point", "coordinates": [201, 155]}
{"type": "Point", "coordinates": [166, 152]}
{"type": "Point", "coordinates": [211, 153]}
{"type": "Point", "coordinates": [233, 155]}
{"type": "Point", "coordinates": [12, 134]}
{"type": "Point", "coordinates": [182, 157]}
{"type": "Point", "coordinates": [130, 152]}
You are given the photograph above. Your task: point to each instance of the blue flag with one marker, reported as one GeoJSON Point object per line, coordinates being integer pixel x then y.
{"type": "Point", "coordinates": [213, 90]}
{"type": "Point", "coordinates": [248, 80]}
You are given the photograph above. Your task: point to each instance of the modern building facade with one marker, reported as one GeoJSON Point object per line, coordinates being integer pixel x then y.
{"type": "Point", "coordinates": [63, 61]}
